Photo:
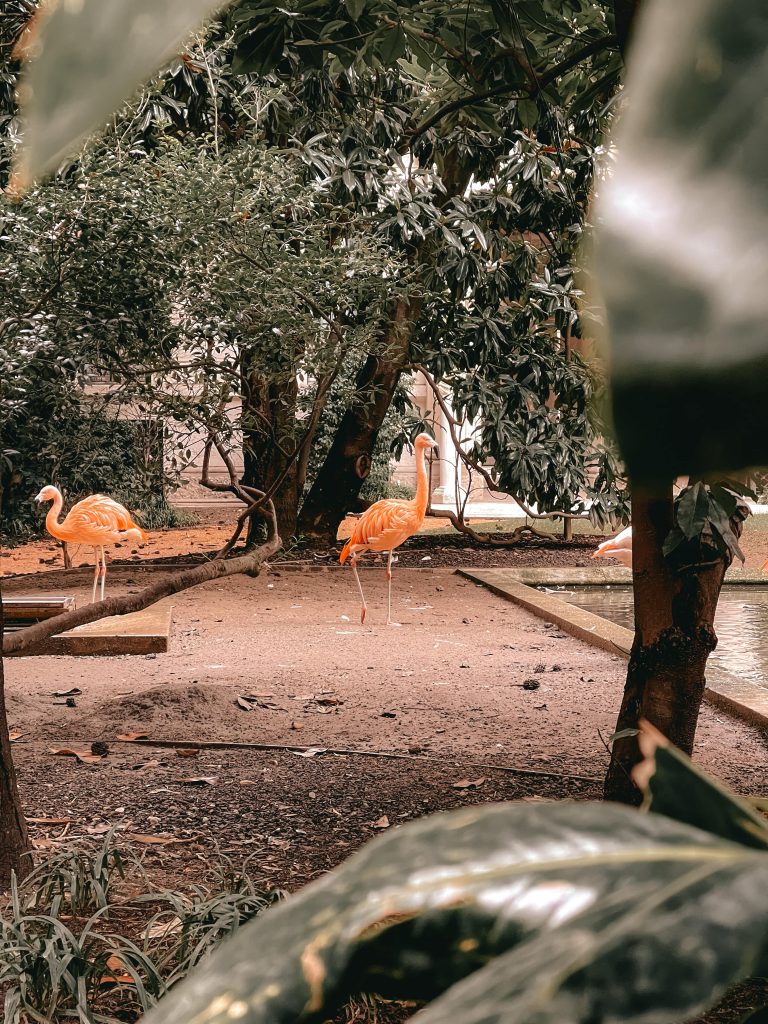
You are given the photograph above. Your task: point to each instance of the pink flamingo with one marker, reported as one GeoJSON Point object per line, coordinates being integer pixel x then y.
{"type": "Point", "coordinates": [386, 524]}
{"type": "Point", "coordinates": [619, 547]}
{"type": "Point", "coordinates": [96, 520]}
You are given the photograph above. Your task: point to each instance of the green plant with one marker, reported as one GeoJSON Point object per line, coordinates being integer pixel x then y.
{"type": "Point", "coordinates": [517, 913]}
{"type": "Point", "coordinates": [73, 944]}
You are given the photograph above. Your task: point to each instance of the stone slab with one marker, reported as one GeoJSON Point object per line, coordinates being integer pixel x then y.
{"type": "Point", "coordinates": [741, 697]}
{"type": "Point", "coordinates": [144, 632]}
{"type": "Point", "coordinates": [600, 575]}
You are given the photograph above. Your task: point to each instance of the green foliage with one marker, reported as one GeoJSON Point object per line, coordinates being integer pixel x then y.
{"type": "Point", "coordinates": [704, 517]}
{"type": "Point", "coordinates": [683, 241]}
{"type": "Point", "coordinates": [516, 912]}
{"type": "Point", "coordinates": [64, 956]}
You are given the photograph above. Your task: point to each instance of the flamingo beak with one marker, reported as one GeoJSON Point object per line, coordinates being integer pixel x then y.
{"type": "Point", "coordinates": [39, 497]}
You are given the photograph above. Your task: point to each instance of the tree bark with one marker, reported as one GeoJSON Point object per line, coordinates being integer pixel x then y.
{"type": "Point", "coordinates": [14, 840]}
{"type": "Point", "coordinates": [269, 443]}
{"type": "Point", "coordinates": [337, 485]}
{"type": "Point", "coordinates": [675, 604]}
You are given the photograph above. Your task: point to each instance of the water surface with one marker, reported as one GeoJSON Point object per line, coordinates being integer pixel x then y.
{"type": "Point", "coordinates": [741, 623]}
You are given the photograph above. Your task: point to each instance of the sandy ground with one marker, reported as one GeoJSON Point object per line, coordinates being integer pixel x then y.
{"type": "Point", "coordinates": [447, 683]}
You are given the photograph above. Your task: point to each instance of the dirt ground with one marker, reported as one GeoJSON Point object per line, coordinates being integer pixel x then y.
{"type": "Point", "coordinates": [444, 690]}
{"type": "Point", "coordinates": [443, 693]}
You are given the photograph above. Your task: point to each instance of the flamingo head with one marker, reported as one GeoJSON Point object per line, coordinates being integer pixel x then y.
{"type": "Point", "coordinates": [425, 441]}
{"type": "Point", "coordinates": [47, 494]}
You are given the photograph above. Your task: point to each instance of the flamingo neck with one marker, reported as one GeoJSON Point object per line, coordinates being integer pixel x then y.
{"type": "Point", "coordinates": [52, 524]}
{"type": "Point", "coordinates": [422, 483]}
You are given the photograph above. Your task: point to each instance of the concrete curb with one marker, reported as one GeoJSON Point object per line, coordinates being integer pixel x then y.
{"type": "Point", "coordinates": [740, 697]}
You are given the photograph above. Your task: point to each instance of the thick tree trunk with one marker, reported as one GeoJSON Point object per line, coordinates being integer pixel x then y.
{"type": "Point", "coordinates": [337, 485]}
{"type": "Point", "coordinates": [675, 604]}
{"type": "Point", "coordinates": [269, 442]}
{"type": "Point", "coordinates": [14, 841]}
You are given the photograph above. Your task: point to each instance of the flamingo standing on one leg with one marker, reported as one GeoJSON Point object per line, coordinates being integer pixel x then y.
{"type": "Point", "coordinates": [96, 520]}
{"type": "Point", "coordinates": [619, 547]}
{"type": "Point", "coordinates": [386, 524]}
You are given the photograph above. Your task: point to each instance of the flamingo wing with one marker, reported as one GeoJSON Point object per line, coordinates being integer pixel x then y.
{"type": "Point", "coordinates": [99, 513]}
{"type": "Point", "coordinates": [383, 526]}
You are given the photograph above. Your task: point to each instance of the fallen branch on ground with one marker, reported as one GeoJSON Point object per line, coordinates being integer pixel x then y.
{"type": "Point", "coordinates": [250, 564]}
{"type": "Point", "coordinates": [298, 749]}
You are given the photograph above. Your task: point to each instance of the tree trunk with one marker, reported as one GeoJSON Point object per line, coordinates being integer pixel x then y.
{"type": "Point", "coordinates": [269, 442]}
{"type": "Point", "coordinates": [348, 463]}
{"type": "Point", "coordinates": [675, 604]}
{"type": "Point", "coordinates": [14, 841]}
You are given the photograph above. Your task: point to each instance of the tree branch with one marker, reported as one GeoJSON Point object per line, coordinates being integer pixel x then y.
{"type": "Point", "coordinates": [218, 568]}
{"type": "Point", "coordinates": [542, 81]}
{"type": "Point", "coordinates": [472, 464]}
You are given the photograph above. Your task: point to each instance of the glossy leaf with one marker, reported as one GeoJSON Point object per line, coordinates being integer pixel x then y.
{"type": "Point", "coordinates": [88, 57]}
{"type": "Point", "coordinates": [676, 787]}
{"type": "Point", "coordinates": [684, 241]}
{"type": "Point", "coordinates": [551, 912]}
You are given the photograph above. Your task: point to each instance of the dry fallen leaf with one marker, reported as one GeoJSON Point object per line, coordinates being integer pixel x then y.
{"type": "Point", "coordinates": [468, 783]}
{"type": "Point", "coordinates": [138, 837]}
{"type": "Point", "coordinates": [82, 755]}
{"type": "Point", "coordinates": [383, 822]}
{"type": "Point", "coordinates": [73, 692]}
{"type": "Point", "coordinates": [246, 705]}
{"type": "Point", "coordinates": [248, 782]}
{"type": "Point", "coordinates": [199, 780]}
{"type": "Point", "coordinates": [146, 765]}
{"type": "Point", "coordinates": [129, 737]}
{"type": "Point", "coordinates": [98, 830]}
{"type": "Point", "coordinates": [160, 929]}
{"type": "Point", "coordinates": [311, 752]}
{"type": "Point", "coordinates": [14, 735]}
{"type": "Point", "coordinates": [49, 821]}
{"type": "Point", "coordinates": [188, 752]}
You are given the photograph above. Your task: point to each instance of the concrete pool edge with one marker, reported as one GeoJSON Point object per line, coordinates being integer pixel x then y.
{"type": "Point", "coordinates": [740, 697]}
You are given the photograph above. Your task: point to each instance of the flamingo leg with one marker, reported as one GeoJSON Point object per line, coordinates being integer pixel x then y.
{"type": "Point", "coordinates": [103, 571]}
{"type": "Point", "coordinates": [389, 592]}
{"type": "Point", "coordinates": [363, 607]}
{"type": "Point", "coordinates": [95, 574]}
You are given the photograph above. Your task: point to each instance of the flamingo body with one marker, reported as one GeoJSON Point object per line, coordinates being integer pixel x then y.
{"type": "Point", "coordinates": [618, 547]}
{"type": "Point", "coordinates": [96, 520]}
{"type": "Point", "coordinates": [388, 523]}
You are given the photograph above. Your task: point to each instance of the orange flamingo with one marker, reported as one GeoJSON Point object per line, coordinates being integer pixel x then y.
{"type": "Point", "coordinates": [386, 524]}
{"type": "Point", "coordinates": [96, 520]}
{"type": "Point", "coordinates": [618, 547]}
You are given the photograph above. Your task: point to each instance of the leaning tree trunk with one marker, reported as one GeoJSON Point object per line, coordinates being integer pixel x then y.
{"type": "Point", "coordinates": [337, 485]}
{"type": "Point", "coordinates": [14, 841]}
{"type": "Point", "coordinates": [675, 604]}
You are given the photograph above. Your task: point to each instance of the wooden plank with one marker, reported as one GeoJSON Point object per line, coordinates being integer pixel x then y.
{"type": "Point", "coordinates": [144, 632]}
{"type": "Point", "coordinates": [35, 609]}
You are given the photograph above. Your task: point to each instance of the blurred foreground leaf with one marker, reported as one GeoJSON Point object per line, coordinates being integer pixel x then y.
{"type": "Point", "coordinates": [86, 57]}
{"type": "Point", "coordinates": [548, 913]}
{"type": "Point", "coordinates": [684, 242]}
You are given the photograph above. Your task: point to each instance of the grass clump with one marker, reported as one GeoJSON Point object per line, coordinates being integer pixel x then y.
{"type": "Point", "coordinates": [88, 937]}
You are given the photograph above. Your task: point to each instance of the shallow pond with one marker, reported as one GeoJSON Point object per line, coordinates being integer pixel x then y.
{"type": "Point", "coordinates": [741, 623]}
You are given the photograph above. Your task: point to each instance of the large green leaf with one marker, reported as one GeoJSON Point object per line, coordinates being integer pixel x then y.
{"type": "Point", "coordinates": [88, 57]}
{"type": "Point", "coordinates": [684, 241]}
{"type": "Point", "coordinates": [551, 912]}
{"type": "Point", "coordinates": [676, 787]}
